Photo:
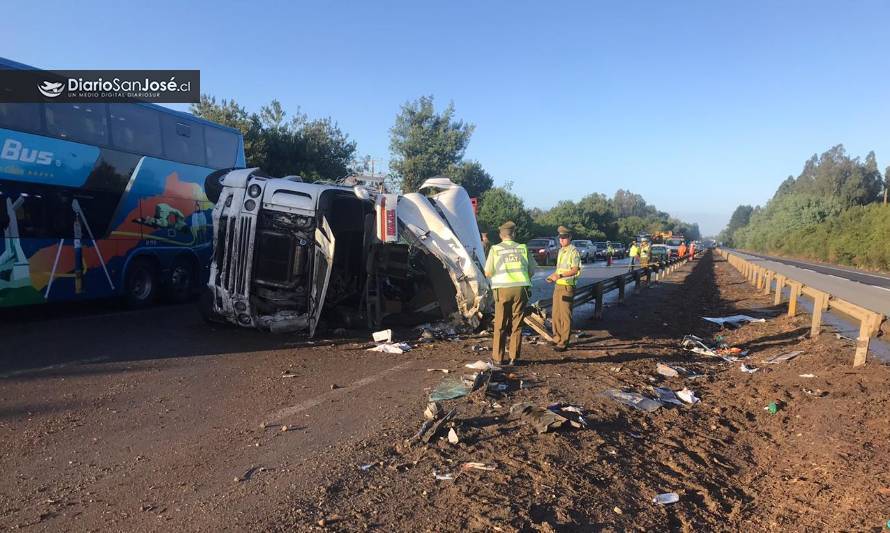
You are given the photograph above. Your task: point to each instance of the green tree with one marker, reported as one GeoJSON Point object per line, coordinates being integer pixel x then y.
{"type": "Point", "coordinates": [499, 205]}
{"type": "Point", "coordinates": [472, 177]}
{"type": "Point", "coordinates": [739, 219]}
{"type": "Point", "coordinates": [425, 143]}
{"type": "Point", "coordinates": [836, 174]}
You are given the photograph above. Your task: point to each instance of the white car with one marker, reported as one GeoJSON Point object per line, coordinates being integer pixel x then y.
{"type": "Point", "coordinates": [287, 252]}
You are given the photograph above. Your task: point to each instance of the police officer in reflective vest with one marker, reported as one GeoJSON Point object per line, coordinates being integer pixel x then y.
{"type": "Point", "coordinates": [510, 268]}
{"type": "Point", "coordinates": [568, 268]}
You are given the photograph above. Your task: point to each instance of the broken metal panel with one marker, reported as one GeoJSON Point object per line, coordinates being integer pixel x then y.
{"type": "Point", "coordinates": [324, 263]}
{"type": "Point", "coordinates": [431, 231]}
{"type": "Point", "coordinates": [454, 204]}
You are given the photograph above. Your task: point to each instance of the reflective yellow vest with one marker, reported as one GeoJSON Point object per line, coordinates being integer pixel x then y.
{"type": "Point", "coordinates": [568, 258]}
{"type": "Point", "coordinates": [634, 250]}
{"type": "Point", "coordinates": [510, 268]}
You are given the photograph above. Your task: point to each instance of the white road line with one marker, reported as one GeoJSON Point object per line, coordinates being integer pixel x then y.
{"type": "Point", "coordinates": [779, 260]}
{"type": "Point", "coordinates": [277, 416]}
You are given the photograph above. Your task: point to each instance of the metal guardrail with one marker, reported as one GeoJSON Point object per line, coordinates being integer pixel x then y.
{"type": "Point", "coordinates": [536, 313]}
{"type": "Point", "coordinates": [764, 279]}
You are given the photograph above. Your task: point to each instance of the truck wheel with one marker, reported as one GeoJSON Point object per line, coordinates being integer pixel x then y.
{"type": "Point", "coordinates": [141, 284]}
{"type": "Point", "coordinates": [182, 281]}
{"type": "Point", "coordinates": [213, 186]}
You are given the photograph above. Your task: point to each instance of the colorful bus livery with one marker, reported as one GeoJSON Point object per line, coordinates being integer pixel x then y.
{"type": "Point", "coordinates": [100, 200]}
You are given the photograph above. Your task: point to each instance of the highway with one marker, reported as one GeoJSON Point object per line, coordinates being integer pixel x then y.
{"type": "Point", "coordinates": [590, 272]}
{"type": "Point", "coordinates": [868, 290]}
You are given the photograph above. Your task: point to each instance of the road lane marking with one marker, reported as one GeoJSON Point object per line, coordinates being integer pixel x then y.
{"type": "Point", "coordinates": [275, 417]}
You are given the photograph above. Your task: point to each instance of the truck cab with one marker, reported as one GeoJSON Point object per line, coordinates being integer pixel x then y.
{"type": "Point", "coordinates": [290, 256]}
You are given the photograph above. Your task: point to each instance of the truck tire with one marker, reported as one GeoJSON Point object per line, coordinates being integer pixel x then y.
{"type": "Point", "coordinates": [141, 283]}
{"type": "Point", "coordinates": [213, 186]}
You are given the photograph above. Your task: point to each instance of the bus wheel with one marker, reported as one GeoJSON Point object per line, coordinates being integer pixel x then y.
{"type": "Point", "coordinates": [141, 283]}
{"type": "Point", "coordinates": [181, 282]}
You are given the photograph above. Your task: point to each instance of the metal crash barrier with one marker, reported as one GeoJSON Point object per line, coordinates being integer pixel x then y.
{"type": "Point", "coordinates": [764, 280]}
{"type": "Point", "coordinates": [537, 313]}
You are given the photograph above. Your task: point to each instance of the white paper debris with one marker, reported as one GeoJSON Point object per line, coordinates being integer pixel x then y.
{"type": "Point", "coordinates": [687, 396]}
{"type": "Point", "coordinates": [384, 335]}
{"type": "Point", "coordinates": [482, 365]}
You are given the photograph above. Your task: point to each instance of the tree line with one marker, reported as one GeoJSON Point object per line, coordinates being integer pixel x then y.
{"type": "Point", "coordinates": [424, 143]}
{"type": "Point", "coordinates": [835, 210]}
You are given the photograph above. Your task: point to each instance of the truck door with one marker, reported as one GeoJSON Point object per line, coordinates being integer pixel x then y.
{"type": "Point", "coordinates": [321, 272]}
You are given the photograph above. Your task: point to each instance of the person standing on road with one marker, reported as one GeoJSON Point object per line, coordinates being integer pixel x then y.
{"type": "Point", "coordinates": [509, 267]}
{"type": "Point", "coordinates": [634, 253]}
{"type": "Point", "coordinates": [681, 251]}
{"type": "Point", "coordinates": [644, 254]}
{"type": "Point", "coordinates": [568, 268]}
{"type": "Point", "coordinates": [692, 250]}
{"type": "Point", "coordinates": [610, 251]}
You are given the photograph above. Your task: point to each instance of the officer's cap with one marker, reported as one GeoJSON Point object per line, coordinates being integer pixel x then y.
{"type": "Point", "coordinates": [508, 225]}
{"type": "Point", "coordinates": [563, 231]}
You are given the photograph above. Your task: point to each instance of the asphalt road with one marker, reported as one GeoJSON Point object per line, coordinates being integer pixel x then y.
{"type": "Point", "coordinates": [871, 291]}
{"type": "Point", "coordinates": [590, 272]}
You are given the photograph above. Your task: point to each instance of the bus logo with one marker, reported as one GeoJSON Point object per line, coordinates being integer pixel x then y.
{"type": "Point", "coordinates": [51, 89]}
{"type": "Point", "coordinates": [16, 151]}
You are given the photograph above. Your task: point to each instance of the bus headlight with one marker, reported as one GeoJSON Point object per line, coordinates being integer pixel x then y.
{"type": "Point", "coordinates": [254, 190]}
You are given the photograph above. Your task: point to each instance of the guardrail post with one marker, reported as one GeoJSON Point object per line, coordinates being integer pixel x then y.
{"type": "Point", "coordinates": [637, 281]}
{"type": "Point", "coordinates": [768, 282]}
{"type": "Point", "coordinates": [622, 282]}
{"type": "Point", "coordinates": [780, 286]}
{"type": "Point", "coordinates": [598, 310]}
{"type": "Point", "coordinates": [648, 277]}
{"type": "Point", "coordinates": [792, 301]}
{"type": "Point", "coordinates": [818, 305]}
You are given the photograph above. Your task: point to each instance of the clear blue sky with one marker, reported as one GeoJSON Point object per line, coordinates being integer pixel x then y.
{"type": "Point", "coordinates": [698, 106]}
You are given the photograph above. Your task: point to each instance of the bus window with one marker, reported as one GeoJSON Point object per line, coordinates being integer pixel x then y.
{"type": "Point", "coordinates": [86, 123]}
{"type": "Point", "coordinates": [183, 141]}
{"type": "Point", "coordinates": [222, 147]}
{"type": "Point", "coordinates": [135, 129]}
{"type": "Point", "coordinates": [20, 116]}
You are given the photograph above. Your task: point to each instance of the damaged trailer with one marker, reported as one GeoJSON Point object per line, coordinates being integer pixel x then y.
{"type": "Point", "coordinates": [290, 256]}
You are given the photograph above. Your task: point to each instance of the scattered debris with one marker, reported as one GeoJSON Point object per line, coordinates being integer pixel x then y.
{"type": "Point", "coordinates": [666, 498]}
{"type": "Point", "coordinates": [430, 429]}
{"type": "Point", "coordinates": [440, 330]}
{"type": "Point", "coordinates": [433, 411]}
{"type": "Point", "coordinates": [382, 336]}
{"type": "Point", "coordinates": [482, 365]}
{"type": "Point", "coordinates": [687, 396]}
{"type": "Point", "coordinates": [748, 369]}
{"type": "Point", "coordinates": [617, 510]}
{"type": "Point", "coordinates": [666, 370]}
{"type": "Point", "coordinates": [773, 407]}
{"type": "Point", "coordinates": [697, 345]}
{"type": "Point", "coordinates": [289, 374]}
{"type": "Point", "coordinates": [391, 347]}
{"type": "Point", "coordinates": [633, 399]}
{"type": "Point", "coordinates": [443, 477]}
{"type": "Point", "coordinates": [442, 370]}
{"type": "Point", "coordinates": [666, 395]}
{"type": "Point", "coordinates": [250, 472]}
{"type": "Point", "coordinates": [452, 436]}
{"type": "Point", "coordinates": [734, 320]}
{"type": "Point", "coordinates": [365, 468]}
{"type": "Point", "coordinates": [807, 375]}
{"type": "Point", "coordinates": [572, 413]}
{"type": "Point", "coordinates": [542, 420]}
{"type": "Point", "coordinates": [478, 466]}
{"type": "Point", "coordinates": [818, 393]}
{"type": "Point", "coordinates": [334, 386]}
{"type": "Point", "coordinates": [784, 357]}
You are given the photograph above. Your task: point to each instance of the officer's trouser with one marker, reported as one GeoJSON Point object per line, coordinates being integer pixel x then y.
{"type": "Point", "coordinates": [562, 314]}
{"type": "Point", "coordinates": [509, 306]}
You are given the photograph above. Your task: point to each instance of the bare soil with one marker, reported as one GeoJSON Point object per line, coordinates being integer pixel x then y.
{"type": "Point", "coordinates": [819, 463]}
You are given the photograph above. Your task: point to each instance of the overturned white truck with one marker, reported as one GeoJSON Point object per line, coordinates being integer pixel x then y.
{"type": "Point", "coordinates": [289, 255]}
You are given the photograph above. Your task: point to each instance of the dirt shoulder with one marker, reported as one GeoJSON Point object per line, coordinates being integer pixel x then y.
{"type": "Point", "coordinates": [820, 462]}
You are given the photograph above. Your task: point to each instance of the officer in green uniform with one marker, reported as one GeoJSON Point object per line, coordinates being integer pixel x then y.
{"type": "Point", "coordinates": [568, 269]}
{"type": "Point", "coordinates": [509, 266]}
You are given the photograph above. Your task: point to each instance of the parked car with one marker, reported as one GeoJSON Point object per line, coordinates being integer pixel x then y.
{"type": "Point", "coordinates": [620, 250]}
{"type": "Point", "coordinates": [545, 250]}
{"type": "Point", "coordinates": [586, 249]}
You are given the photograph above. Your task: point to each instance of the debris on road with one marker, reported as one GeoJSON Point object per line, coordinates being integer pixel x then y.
{"type": "Point", "coordinates": [365, 468]}
{"type": "Point", "coordinates": [289, 374]}
{"type": "Point", "coordinates": [542, 420]}
{"type": "Point", "coordinates": [748, 369]}
{"type": "Point", "coordinates": [687, 396]}
{"type": "Point", "coordinates": [666, 395]}
{"type": "Point", "coordinates": [452, 436]}
{"type": "Point", "coordinates": [633, 399]}
{"type": "Point", "coordinates": [442, 370]}
{"type": "Point", "coordinates": [666, 370]}
{"type": "Point", "coordinates": [391, 347]}
{"type": "Point", "coordinates": [433, 411]}
{"type": "Point", "coordinates": [482, 365]}
{"type": "Point", "coordinates": [478, 466]}
{"type": "Point", "coordinates": [773, 408]}
{"type": "Point", "coordinates": [734, 320]}
{"type": "Point", "coordinates": [250, 472]}
{"type": "Point", "coordinates": [382, 336]}
{"type": "Point", "coordinates": [450, 388]}
{"type": "Point", "coordinates": [784, 357]}
{"type": "Point", "coordinates": [443, 477]}
{"type": "Point", "coordinates": [666, 498]}
{"type": "Point", "coordinates": [807, 375]}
